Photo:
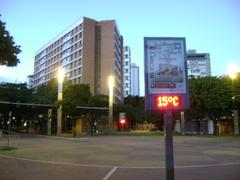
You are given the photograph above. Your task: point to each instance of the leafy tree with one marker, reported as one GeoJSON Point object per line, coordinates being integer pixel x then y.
{"type": "Point", "coordinates": [8, 49]}
{"type": "Point", "coordinates": [46, 94]}
{"type": "Point", "coordinates": [14, 93]}
{"type": "Point", "coordinates": [210, 98]}
{"type": "Point", "coordinates": [76, 95]}
{"type": "Point", "coordinates": [95, 114]}
{"type": "Point", "coordinates": [133, 107]}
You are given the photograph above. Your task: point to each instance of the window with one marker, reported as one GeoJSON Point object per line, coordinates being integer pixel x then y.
{"type": "Point", "coordinates": [195, 70]}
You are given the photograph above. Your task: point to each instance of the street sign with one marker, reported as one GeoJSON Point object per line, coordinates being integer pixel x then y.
{"type": "Point", "coordinates": [122, 115]}
{"type": "Point", "coordinates": [166, 85]}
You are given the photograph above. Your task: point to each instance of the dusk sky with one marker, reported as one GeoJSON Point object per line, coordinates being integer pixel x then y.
{"type": "Point", "coordinates": [209, 26]}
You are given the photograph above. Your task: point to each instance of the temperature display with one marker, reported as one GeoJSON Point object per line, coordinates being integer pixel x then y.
{"type": "Point", "coordinates": [167, 101]}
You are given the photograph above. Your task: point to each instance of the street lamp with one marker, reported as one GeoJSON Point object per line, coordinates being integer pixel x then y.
{"type": "Point", "coordinates": [111, 87]}
{"type": "Point", "coordinates": [60, 97]}
{"type": "Point", "coordinates": [232, 72]}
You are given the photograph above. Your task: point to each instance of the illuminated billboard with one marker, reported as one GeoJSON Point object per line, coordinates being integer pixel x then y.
{"type": "Point", "coordinates": [166, 85]}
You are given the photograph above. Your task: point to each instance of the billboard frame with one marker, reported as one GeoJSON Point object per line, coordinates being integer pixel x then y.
{"type": "Point", "coordinates": [151, 96]}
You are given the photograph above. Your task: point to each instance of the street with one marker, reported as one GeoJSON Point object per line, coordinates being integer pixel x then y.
{"type": "Point", "coordinates": [107, 157]}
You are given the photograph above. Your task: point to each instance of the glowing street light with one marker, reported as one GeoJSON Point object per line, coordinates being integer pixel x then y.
{"type": "Point", "coordinates": [60, 97]}
{"type": "Point", "coordinates": [111, 87]}
{"type": "Point", "coordinates": [60, 75]}
{"type": "Point", "coordinates": [232, 70]}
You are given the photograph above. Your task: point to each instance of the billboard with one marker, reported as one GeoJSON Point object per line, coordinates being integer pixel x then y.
{"type": "Point", "coordinates": [166, 85]}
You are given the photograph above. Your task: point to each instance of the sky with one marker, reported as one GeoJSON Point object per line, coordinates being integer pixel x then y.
{"type": "Point", "coordinates": [209, 26]}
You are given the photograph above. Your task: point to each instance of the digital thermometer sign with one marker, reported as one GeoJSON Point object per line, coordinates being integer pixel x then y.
{"type": "Point", "coordinates": [166, 82]}
{"type": "Point", "coordinates": [167, 101]}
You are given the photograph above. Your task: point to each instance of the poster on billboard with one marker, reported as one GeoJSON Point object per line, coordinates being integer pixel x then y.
{"type": "Point", "coordinates": [165, 72]}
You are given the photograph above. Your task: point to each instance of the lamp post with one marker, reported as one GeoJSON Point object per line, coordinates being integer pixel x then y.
{"type": "Point", "coordinates": [60, 97]}
{"type": "Point", "coordinates": [236, 118]}
{"type": "Point", "coordinates": [232, 72]}
{"type": "Point", "coordinates": [110, 86]}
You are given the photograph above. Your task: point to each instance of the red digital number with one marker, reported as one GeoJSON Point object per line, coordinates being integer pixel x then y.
{"type": "Point", "coordinates": [166, 101]}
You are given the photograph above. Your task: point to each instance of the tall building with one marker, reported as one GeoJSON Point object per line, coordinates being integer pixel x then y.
{"type": "Point", "coordinates": [131, 75]}
{"type": "Point", "coordinates": [134, 79]}
{"type": "Point", "coordinates": [89, 51]}
{"type": "Point", "coordinates": [198, 64]}
{"type": "Point", "coordinates": [30, 81]}
{"type": "Point", "coordinates": [127, 71]}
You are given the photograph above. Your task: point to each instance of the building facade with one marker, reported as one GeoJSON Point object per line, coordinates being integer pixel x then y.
{"type": "Point", "coordinates": [134, 79]}
{"type": "Point", "coordinates": [198, 64]}
{"type": "Point", "coordinates": [89, 51]}
{"type": "Point", "coordinates": [127, 71]}
{"type": "Point", "coordinates": [30, 81]}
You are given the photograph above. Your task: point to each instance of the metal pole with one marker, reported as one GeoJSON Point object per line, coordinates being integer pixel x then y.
{"type": "Point", "coordinates": [59, 111]}
{"type": "Point", "coordinates": [236, 122]}
{"type": "Point", "coordinates": [110, 109]}
{"type": "Point", "coordinates": [169, 158]}
{"type": "Point", "coordinates": [182, 123]}
{"type": "Point", "coordinates": [110, 86]}
{"type": "Point", "coordinates": [49, 123]}
{"type": "Point", "coordinates": [9, 126]}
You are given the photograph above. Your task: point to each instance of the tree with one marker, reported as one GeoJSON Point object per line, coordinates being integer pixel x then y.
{"type": "Point", "coordinates": [133, 107]}
{"type": "Point", "coordinates": [14, 93]}
{"type": "Point", "coordinates": [93, 115]}
{"type": "Point", "coordinates": [46, 94]}
{"type": "Point", "coordinates": [210, 98]}
{"type": "Point", "coordinates": [75, 95]}
{"type": "Point", "coordinates": [8, 49]}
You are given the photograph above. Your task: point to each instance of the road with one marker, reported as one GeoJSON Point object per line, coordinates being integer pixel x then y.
{"type": "Point", "coordinates": [107, 158]}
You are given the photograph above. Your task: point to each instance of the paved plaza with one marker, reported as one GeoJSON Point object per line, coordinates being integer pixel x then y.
{"type": "Point", "coordinates": [119, 157]}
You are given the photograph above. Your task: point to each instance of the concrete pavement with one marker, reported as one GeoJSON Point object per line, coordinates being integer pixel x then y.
{"type": "Point", "coordinates": [40, 157]}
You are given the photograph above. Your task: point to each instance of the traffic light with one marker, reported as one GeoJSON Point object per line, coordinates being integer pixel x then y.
{"type": "Point", "coordinates": [122, 121]}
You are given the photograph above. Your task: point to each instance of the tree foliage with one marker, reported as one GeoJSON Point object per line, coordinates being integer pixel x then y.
{"type": "Point", "coordinates": [8, 49]}
{"type": "Point", "coordinates": [134, 108]}
{"type": "Point", "coordinates": [75, 95]}
{"type": "Point", "coordinates": [211, 97]}
{"type": "Point", "coordinates": [15, 92]}
{"type": "Point", "coordinates": [46, 94]}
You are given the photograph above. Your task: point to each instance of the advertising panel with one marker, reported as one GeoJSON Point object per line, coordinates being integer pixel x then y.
{"type": "Point", "coordinates": [166, 85]}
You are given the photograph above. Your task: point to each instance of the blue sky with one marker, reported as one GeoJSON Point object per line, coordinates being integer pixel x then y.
{"type": "Point", "coordinates": [211, 26]}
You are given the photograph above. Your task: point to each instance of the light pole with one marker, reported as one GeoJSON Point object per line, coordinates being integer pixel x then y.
{"type": "Point", "coordinates": [236, 118]}
{"type": "Point", "coordinates": [60, 97]}
{"type": "Point", "coordinates": [111, 87]}
{"type": "Point", "coordinates": [232, 72]}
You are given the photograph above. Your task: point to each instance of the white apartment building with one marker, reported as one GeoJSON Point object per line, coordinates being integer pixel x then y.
{"type": "Point", "coordinates": [198, 64]}
{"type": "Point", "coordinates": [134, 79]}
{"type": "Point", "coordinates": [127, 71]}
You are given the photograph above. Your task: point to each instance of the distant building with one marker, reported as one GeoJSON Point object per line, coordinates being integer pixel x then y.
{"type": "Point", "coordinates": [131, 75]}
{"type": "Point", "coordinates": [89, 51]}
{"type": "Point", "coordinates": [198, 64]}
{"type": "Point", "coordinates": [134, 79]}
{"type": "Point", "coordinates": [127, 71]}
{"type": "Point", "coordinates": [30, 82]}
